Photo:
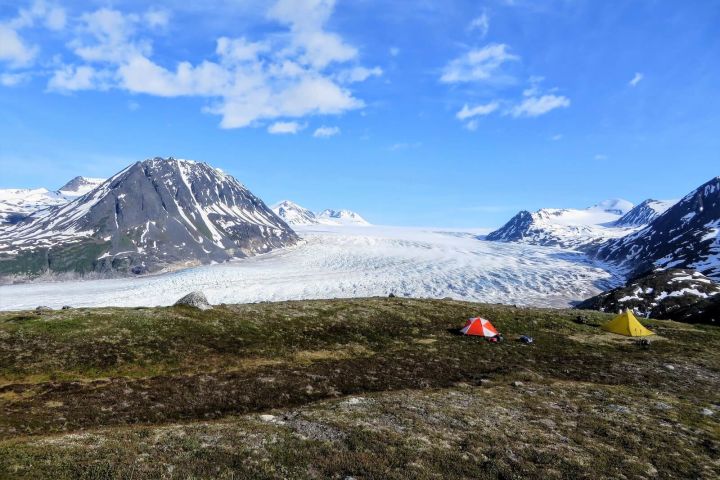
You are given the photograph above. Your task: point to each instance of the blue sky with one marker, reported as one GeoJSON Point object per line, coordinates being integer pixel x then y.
{"type": "Point", "coordinates": [434, 113]}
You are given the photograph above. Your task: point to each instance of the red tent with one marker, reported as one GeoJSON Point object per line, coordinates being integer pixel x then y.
{"type": "Point", "coordinates": [479, 326]}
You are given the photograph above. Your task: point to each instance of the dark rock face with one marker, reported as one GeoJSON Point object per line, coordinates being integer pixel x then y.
{"type": "Point", "coordinates": [195, 299]}
{"type": "Point", "coordinates": [664, 294]}
{"type": "Point", "coordinates": [643, 213]}
{"type": "Point", "coordinates": [685, 236]}
{"type": "Point", "coordinates": [151, 215]}
{"type": "Point", "coordinates": [514, 229]}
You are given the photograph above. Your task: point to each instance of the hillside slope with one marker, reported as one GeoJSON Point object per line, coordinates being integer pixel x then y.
{"type": "Point", "coordinates": [687, 235]}
{"type": "Point", "coordinates": [365, 388]}
{"type": "Point", "coordinates": [151, 215]}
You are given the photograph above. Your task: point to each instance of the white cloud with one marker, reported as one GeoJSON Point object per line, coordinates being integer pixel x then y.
{"type": "Point", "coordinates": [13, 79]}
{"type": "Point", "coordinates": [394, 51]}
{"type": "Point", "coordinates": [240, 49]}
{"type": "Point", "coordinates": [358, 74]}
{"type": "Point", "coordinates": [405, 146]}
{"type": "Point", "coordinates": [556, 137]}
{"type": "Point", "coordinates": [301, 72]}
{"type": "Point", "coordinates": [306, 19]}
{"type": "Point", "coordinates": [285, 128]}
{"type": "Point", "coordinates": [481, 23]}
{"type": "Point", "coordinates": [600, 156]}
{"type": "Point", "coordinates": [326, 132]}
{"type": "Point", "coordinates": [72, 78]}
{"type": "Point", "coordinates": [536, 106]}
{"type": "Point", "coordinates": [13, 49]}
{"type": "Point", "coordinates": [156, 18]}
{"type": "Point", "coordinates": [478, 64]}
{"type": "Point", "coordinates": [469, 112]}
{"type": "Point", "coordinates": [51, 15]}
{"type": "Point", "coordinates": [636, 79]}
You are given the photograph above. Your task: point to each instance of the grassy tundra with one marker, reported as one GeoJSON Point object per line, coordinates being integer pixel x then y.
{"type": "Point", "coordinates": [363, 388]}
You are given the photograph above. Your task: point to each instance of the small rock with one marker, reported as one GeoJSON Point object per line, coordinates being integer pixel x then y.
{"type": "Point", "coordinates": [354, 401]}
{"type": "Point", "coordinates": [66, 307]}
{"type": "Point", "coordinates": [485, 381]}
{"type": "Point", "coordinates": [707, 412]}
{"type": "Point", "coordinates": [195, 299]}
{"type": "Point", "coordinates": [662, 406]}
{"type": "Point", "coordinates": [669, 367]}
{"type": "Point", "coordinates": [43, 308]}
{"type": "Point", "coordinates": [618, 408]}
{"type": "Point", "coordinates": [517, 384]}
{"type": "Point", "coordinates": [392, 295]}
{"type": "Point", "coordinates": [267, 418]}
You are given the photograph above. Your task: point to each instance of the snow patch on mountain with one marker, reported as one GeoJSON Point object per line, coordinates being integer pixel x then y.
{"type": "Point", "coordinates": [19, 203]}
{"type": "Point", "coordinates": [294, 214]}
{"type": "Point", "coordinates": [567, 228]}
{"type": "Point", "coordinates": [644, 213]}
{"type": "Point", "coordinates": [152, 215]}
{"type": "Point", "coordinates": [341, 217]}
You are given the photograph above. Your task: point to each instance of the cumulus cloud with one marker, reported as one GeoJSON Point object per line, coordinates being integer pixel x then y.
{"type": "Point", "coordinates": [285, 128]}
{"type": "Point", "coordinates": [13, 79]}
{"type": "Point", "coordinates": [636, 79]}
{"type": "Point", "coordinates": [326, 132]}
{"type": "Point", "coordinates": [358, 74]}
{"type": "Point", "coordinates": [13, 49]}
{"type": "Point", "coordinates": [48, 14]}
{"type": "Point", "coordinates": [481, 23]}
{"type": "Point", "coordinates": [305, 70]}
{"type": "Point", "coordinates": [536, 106]}
{"type": "Point", "coordinates": [469, 112]}
{"type": "Point", "coordinates": [479, 64]}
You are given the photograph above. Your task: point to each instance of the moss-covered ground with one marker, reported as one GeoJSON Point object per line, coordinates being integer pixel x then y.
{"type": "Point", "coordinates": [362, 388]}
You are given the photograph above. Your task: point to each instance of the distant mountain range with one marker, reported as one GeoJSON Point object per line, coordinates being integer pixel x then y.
{"type": "Point", "coordinates": [665, 234]}
{"type": "Point", "coordinates": [18, 203]}
{"type": "Point", "coordinates": [152, 215]}
{"type": "Point", "coordinates": [568, 228]}
{"type": "Point", "coordinates": [294, 214]}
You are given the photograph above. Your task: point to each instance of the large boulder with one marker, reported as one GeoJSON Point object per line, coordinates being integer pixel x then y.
{"type": "Point", "coordinates": [195, 299]}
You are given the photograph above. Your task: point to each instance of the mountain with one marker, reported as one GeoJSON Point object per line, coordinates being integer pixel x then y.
{"type": "Point", "coordinates": [644, 213]}
{"type": "Point", "coordinates": [80, 186]}
{"type": "Point", "coordinates": [341, 217]}
{"type": "Point", "coordinates": [661, 294]}
{"type": "Point", "coordinates": [568, 228]}
{"type": "Point", "coordinates": [18, 203]}
{"type": "Point", "coordinates": [294, 214]}
{"type": "Point", "coordinates": [151, 215]}
{"type": "Point", "coordinates": [687, 235]}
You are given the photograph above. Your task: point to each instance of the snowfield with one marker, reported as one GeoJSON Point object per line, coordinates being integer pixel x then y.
{"type": "Point", "coordinates": [352, 262]}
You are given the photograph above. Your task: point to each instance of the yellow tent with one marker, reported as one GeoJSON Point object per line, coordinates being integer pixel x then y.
{"type": "Point", "coordinates": [627, 324]}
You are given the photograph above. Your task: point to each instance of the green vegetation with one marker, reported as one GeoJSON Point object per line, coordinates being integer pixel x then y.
{"type": "Point", "coordinates": [78, 257]}
{"type": "Point", "coordinates": [365, 388]}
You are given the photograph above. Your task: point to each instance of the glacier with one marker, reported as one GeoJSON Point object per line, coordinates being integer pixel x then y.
{"type": "Point", "coordinates": [347, 261]}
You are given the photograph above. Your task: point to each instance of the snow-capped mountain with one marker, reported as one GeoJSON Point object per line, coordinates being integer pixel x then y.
{"type": "Point", "coordinates": [341, 217]}
{"type": "Point", "coordinates": [151, 215]}
{"type": "Point", "coordinates": [294, 214]}
{"type": "Point", "coordinates": [644, 213]}
{"type": "Point", "coordinates": [79, 186]}
{"type": "Point", "coordinates": [568, 228]}
{"type": "Point", "coordinates": [687, 235]}
{"type": "Point", "coordinates": [18, 203]}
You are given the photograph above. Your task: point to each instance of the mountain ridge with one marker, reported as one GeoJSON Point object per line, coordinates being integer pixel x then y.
{"type": "Point", "coordinates": [147, 217]}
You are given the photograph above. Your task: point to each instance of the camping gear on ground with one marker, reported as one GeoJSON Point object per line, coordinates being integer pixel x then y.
{"type": "Point", "coordinates": [526, 339]}
{"type": "Point", "coordinates": [627, 324]}
{"type": "Point", "coordinates": [479, 326]}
